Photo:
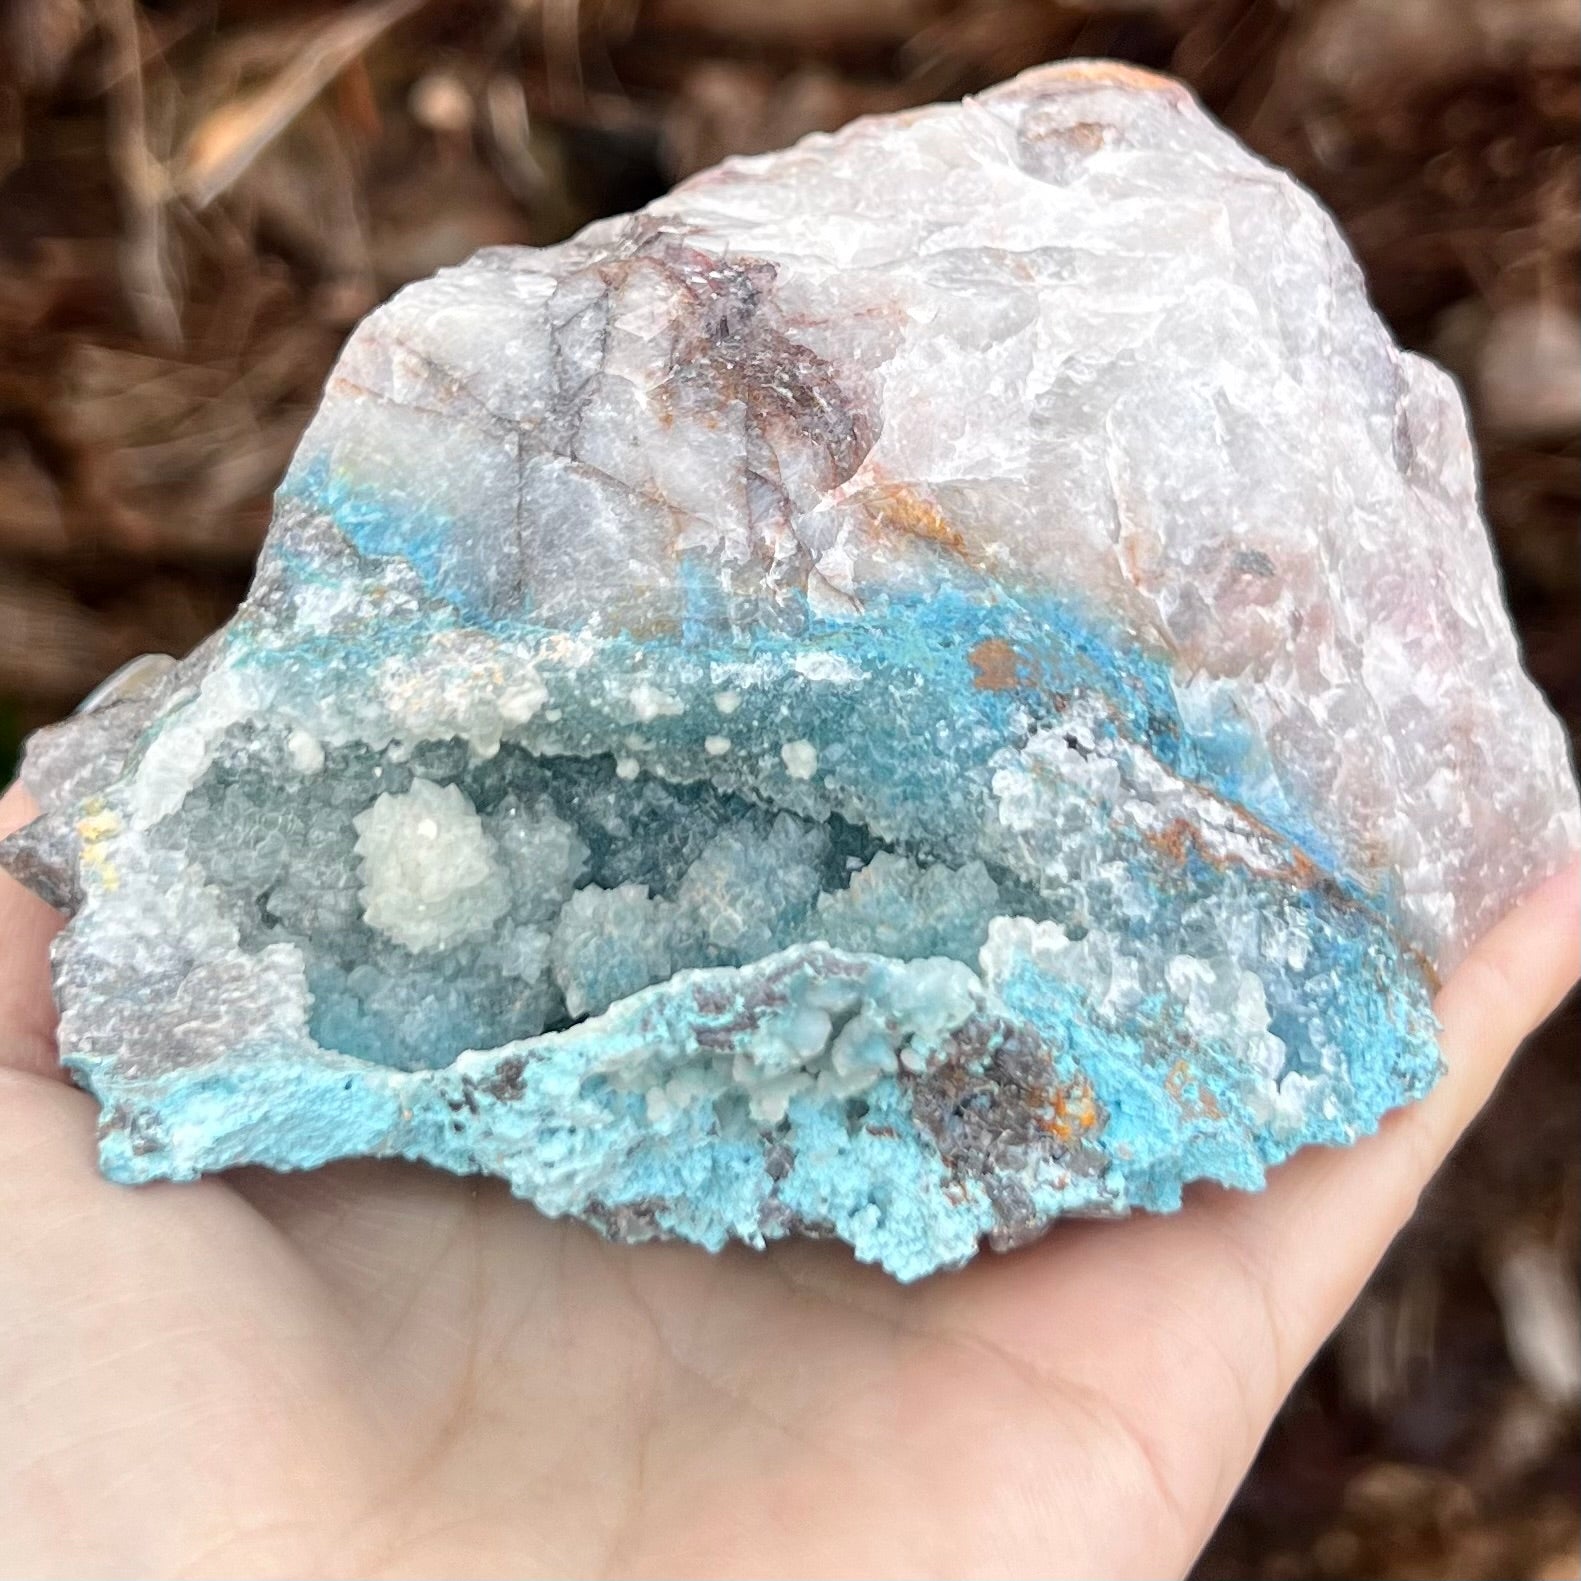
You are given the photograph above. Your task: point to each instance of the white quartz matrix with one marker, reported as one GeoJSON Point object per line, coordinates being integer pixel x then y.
{"type": "Point", "coordinates": [1085, 338]}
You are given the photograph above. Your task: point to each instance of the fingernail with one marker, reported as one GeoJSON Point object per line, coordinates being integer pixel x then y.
{"type": "Point", "coordinates": [131, 680]}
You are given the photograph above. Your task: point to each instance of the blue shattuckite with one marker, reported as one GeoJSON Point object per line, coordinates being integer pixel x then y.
{"type": "Point", "coordinates": [938, 679]}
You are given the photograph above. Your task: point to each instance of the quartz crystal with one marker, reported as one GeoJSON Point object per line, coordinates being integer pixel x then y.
{"type": "Point", "coordinates": [940, 678]}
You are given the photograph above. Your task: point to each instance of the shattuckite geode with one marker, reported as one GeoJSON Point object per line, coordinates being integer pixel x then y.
{"type": "Point", "coordinates": [944, 677]}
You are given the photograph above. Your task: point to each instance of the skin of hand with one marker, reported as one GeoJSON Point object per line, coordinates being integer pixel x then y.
{"type": "Point", "coordinates": [375, 1370]}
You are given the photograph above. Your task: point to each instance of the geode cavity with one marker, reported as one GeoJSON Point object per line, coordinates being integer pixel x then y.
{"type": "Point", "coordinates": [944, 677]}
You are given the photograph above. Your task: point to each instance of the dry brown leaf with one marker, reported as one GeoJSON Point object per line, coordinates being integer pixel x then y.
{"type": "Point", "coordinates": [37, 38]}
{"type": "Point", "coordinates": [232, 135]}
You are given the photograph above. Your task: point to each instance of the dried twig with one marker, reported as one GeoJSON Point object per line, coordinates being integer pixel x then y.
{"type": "Point", "coordinates": [145, 258]}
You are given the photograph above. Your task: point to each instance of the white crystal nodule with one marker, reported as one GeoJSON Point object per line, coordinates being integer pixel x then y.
{"type": "Point", "coordinates": [430, 875]}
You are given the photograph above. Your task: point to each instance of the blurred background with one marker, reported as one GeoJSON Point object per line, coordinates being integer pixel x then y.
{"type": "Point", "coordinates": [198, 198]}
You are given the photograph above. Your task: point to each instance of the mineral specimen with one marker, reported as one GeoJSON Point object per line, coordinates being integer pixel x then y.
{"type": "Point", "coordinates": [944, 677]}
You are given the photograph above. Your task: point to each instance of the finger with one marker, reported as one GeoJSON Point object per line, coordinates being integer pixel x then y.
{"type": "Point", "coordinates": [1351, 1203]}
{"type": "Point", "coordinates": [1188, 1330]}
{"type": "Point", "coordinates": [27, 1012]}
{"type": "Point", "coordinates": [1275, 1272]}
{"type": "Point", "coordinates": [161, 1346]}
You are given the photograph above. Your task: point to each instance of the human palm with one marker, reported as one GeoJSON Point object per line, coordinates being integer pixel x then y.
{"type": "Point", "coordinates": [375, 1370]}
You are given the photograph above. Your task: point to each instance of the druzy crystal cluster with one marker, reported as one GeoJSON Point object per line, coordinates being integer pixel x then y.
{"type": "Point", "coordinates": [945, 677]}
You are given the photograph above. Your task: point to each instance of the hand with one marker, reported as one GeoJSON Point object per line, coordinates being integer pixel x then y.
{"type": "Point", "coordinates": [377, 1370]}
